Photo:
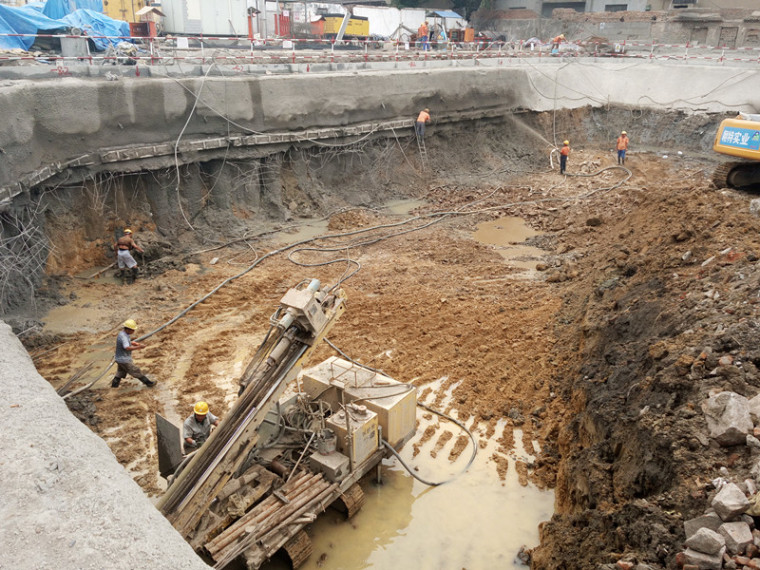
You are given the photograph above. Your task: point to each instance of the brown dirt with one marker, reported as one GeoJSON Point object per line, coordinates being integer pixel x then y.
{"type": "Point", "coordinates": [586, 359]}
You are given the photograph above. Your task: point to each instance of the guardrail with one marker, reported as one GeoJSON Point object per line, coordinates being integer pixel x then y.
{"type": "Point", "coordinates": [163, 49]}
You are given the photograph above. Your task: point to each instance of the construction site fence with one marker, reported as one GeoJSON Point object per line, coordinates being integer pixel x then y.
{"type": "Point", "coordinates": [208, 49]}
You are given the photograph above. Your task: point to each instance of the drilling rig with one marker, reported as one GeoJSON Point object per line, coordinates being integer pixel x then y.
{"type": "Point", "coordinates": [286, 451]}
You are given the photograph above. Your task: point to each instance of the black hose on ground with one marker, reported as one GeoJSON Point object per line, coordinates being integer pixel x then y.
{"type": "Point", "coordinates": [437, 483]}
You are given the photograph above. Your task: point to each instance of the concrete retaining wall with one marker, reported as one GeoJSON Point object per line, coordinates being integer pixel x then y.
{"type": "Point", "coordinates": [55, 121]}
{"type": "Point", "coordinates": [67, 503]}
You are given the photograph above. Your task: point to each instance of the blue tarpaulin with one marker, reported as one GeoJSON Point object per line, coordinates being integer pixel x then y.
{"type": "Point", "coordinates": [97, 24]}
{"type": "Point", "coordinates": [439, 13]}
{"type": "Point", "coordinates": [21, 21]}
{"type": "Point", "coordinates": [28, 20]}
{"type": "Point", "coordinates": [57, 9]}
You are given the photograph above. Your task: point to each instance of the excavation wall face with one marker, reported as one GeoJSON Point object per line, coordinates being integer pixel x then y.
{"type": "Point", "coordinates": [61, 483]}
{"type": "Point", "coordinates": [51, 122]}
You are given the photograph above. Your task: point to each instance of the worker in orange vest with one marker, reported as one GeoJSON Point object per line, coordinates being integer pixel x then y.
{"type": "Point", "coordinates": [622, 146]}
{"type": "Point", "coordinates": [563, 154]}
{"type": "Point", "coordinates": [419, 125]}
{"type": "Point", "coordinates": [422, 35]}
{"type": "Point", "coordinates": [557, 40]}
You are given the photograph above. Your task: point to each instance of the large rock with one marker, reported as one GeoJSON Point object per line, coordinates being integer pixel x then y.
{"type": "Point", "coordinates": [728, 418]}
{"type": "Point", "coordinates": [711, 521]}
{"type": "Point", "coordinates": [730, 503]}
{"type": "Point", "coordinates": [708, 541]}
{"type": "Point", "coordinates": [737, 535]}
{"type": "Point", "coordinates": [704, 561]}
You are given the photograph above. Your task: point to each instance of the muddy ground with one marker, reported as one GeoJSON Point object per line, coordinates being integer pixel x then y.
{"type": "Point", "coordinates": [603, 354]}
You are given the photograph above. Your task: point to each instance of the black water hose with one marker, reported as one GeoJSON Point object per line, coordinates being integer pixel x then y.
{"type": "Point", "coordinates": [437, 483]}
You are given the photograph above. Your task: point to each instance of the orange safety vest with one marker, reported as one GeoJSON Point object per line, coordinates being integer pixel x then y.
{"type": "Point", "coordinates": [422, 31]}
{"type": "Point", "coordinates": [565, 150]}
{"type": "Point", "coordinates": [622, 143]}
{"type": "Point", "coordinates": [423, 117]}
{"type": "Point", "coordinates": [558, 39]}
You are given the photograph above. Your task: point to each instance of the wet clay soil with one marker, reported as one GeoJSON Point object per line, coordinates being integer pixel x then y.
{"type": "Point", "coordinates": [586, 356]}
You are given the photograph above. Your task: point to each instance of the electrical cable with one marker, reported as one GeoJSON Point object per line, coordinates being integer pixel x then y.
{"type": "Point", "coordinates": [437, 483]}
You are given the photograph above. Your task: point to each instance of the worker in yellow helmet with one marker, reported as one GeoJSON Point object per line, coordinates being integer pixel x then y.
{"type": "Point", "coordinates": [197, 426]}
{"type": "Point", "coordinates": [124, 347]}
{"type": "Point", "coordinates": [124, 258]}
{"type": "Point", "coordinates": [622, 146]}
{"type": "Point", "coordinates": [563, 154]}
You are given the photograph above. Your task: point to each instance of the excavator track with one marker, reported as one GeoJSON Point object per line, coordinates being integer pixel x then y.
{"type": "Point", "coordinates": [741, 175]}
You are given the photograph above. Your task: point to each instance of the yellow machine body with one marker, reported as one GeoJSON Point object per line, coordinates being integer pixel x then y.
{"type": "Point", "coordinates": [738, 137]}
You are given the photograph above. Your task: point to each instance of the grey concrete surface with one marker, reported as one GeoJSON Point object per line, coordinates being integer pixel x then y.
{"type": "Point", "coordinates": [66, 502]}
{"type": "Point", "coordinates": [56, 121]}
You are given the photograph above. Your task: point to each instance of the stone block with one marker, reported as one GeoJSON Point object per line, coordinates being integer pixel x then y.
{"type": "Point", "coordinates": [728, 418]}
{"type": "Point", "coordinates": [710, 520]}
{"type": "Point", "coordinates": [730, 502]}
{"type": "Point", "coordinates": [738, 536]}
{"type": "Point", "coordinates": [703, 561]}
{"type": "Point", "coordinates": [707, 541]}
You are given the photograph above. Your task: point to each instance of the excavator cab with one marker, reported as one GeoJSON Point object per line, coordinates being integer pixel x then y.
{"type": "Point", "coordinates": [739, 137]}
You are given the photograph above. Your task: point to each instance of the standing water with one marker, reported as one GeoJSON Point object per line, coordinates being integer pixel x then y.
{"type": "Point", "coordinates": [476, 520]}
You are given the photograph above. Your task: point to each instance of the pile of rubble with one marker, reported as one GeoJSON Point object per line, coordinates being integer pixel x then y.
{"type": "Point", "coordinates": [726, 535]}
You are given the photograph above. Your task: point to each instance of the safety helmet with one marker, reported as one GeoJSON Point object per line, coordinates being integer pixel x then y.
{"type": "Point", "coordinates": [130, 324]}
{"type": "Point", "coordinates": [427, 110]}
{"type": "Point", "coordinates": [566, 142]}
{"type": "Point", "coordinates": [201, 408]}
{"type": "Point", "coordinates": [623, 133]}
{"type": "Point", "coordinates": [127, 231]}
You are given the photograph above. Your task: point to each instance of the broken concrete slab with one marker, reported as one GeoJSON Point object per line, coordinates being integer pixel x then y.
{"type": "Point", "coordinates": [707, 541]}
{"type": "Point", "coordinates": [728, 418]}
{"type": "Point", "coordinates": [737, 536]}
{"type": "Point", "coordinates": [730, 502]}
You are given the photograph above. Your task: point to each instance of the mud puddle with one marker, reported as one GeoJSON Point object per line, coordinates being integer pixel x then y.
{"type": "Point", "coordinates": [507, 235]}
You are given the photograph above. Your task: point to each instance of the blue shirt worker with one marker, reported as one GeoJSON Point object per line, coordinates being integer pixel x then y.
{"type": "Point", "coordinates": [124, 347]}
{"type": "Point", "coordinates": [197, 427]}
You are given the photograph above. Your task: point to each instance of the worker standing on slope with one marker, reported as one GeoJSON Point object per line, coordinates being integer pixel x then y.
{"type": "Point", "coordinates": [197, 427]}
{"type": "Point", "coordinates": [124, 347]}
{"type": "Point", "coordinates": [622, 146]}
{"type": "Point", "coordinates": [124, 258]}
{"type": "Point", "coordinates": [563, 154]}
{"type": "Point", "coordinates": [419, 125]}
{"type": "Point", "coordinates": [422, 35]}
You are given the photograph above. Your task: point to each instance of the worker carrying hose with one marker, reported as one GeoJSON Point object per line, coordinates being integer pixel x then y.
{"type": "Point", "coordinates": [563, 154]}
{"type": "Point", "coordinates": [124, 258]}
{"type": "Point", "coordinates": [419, 125]}
{"type": "Point", "coordinates": [124, 347]}
{"type": "Point", "coordinates": [197, 427]}
{"type": "Point", "coordinates": [622, 146]}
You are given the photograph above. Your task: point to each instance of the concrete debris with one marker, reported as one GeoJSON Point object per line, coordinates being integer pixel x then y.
{"type": "Point", "coordinates": [707, 541]}
{"type": "Point", "coordinates": [728, 418]}
{"type": "Point", "coordinates": [704, 561]}
{"type": "Point", "coordinates": [710, 521]}
{"type": "Point", "coordinates": [737, 536]}
{"type": "Point", "coordinates": [730, 502]}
